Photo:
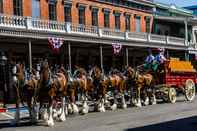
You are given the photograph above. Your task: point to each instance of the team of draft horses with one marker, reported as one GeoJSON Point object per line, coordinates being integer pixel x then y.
{"type": "Point", "coordinates": [51, 94]}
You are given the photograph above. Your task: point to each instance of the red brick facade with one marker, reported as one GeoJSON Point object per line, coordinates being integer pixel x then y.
{"type": "Point", "coordinates": [27, 11]}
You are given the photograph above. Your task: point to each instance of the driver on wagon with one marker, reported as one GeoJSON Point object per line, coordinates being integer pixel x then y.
{"type": "Point", "coordinates": [149, 60]}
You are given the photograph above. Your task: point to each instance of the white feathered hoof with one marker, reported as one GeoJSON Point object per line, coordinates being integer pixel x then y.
{"type": "Point", "coordinates": [101, 108]}
{"type": "Point", "coordinates": [114, 107]}
{"type": "Point", "coordinates": [55, 114]}
{"type": "Point", "coordinates": [138, 104]}
{"type": "Point", "coordinates": [75, 109]}
{"type": "Point", "coordinates": [85, 110]}
{"type": "Point", "coordinates": [146, 102]}
{"type": "Point", "coordinates": [124, 106]}
{"type": "Point", "coordinates": [62, 117]}
{"type": "Point", "coordinates": [45, 116]}
{"type": "Point", "coordinates": [154, 101]}
{"type": "Point", "coordinates": [50, 122]}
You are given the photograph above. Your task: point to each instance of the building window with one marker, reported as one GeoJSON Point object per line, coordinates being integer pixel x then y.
{"type": "Point", "coordinates": [117, 21]}
{"type": "Point", "coordinates": [52, 10]}
{"type": "Point", "coordinates": [35, 8]}
{"type": "Point", "coordinates": [18, 7]}
{"type": "Point", "coordinates": [127, 23]}
{"type": "Point", "coordinates": [106, 19]}
{"type": "Point", "coordinates": [95, 17]}
{"type": "Point", "coordinates": [67, 13]}
{"type": "Point", "coordinates": [147, 24]}
{"type": "Point", "coordinates": [81, 15]}
{"type": "Point", "coordinates": [138, 23]}
{"type": "Point", "coordinates": [1, 6]}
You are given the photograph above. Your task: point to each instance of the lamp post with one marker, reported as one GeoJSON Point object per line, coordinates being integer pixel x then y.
{"type": "Point", "coordinates": [3, 76]}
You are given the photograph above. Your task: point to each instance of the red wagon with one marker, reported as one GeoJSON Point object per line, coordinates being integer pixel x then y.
{"type": "Point", "coordinates": [176, 76]}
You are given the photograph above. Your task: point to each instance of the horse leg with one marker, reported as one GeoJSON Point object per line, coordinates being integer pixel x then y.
{"type": "Point", "coordinates": [124, 105]}
{"type": "Point", "coordinates": [50, 121]}
{"type": "Point", "coordinates": [73, 107]}
{"type": "Point", "coordinates": [43, 111]}
{"type": "Point", "coordinates": [146, 96]}
{"type": "Point", "coordinates": [153, 97]}
{"type": "Point", "coordinates": [139, 104]}
{"type": "Point", "coordinates": [32, 111]}
{"type": "Point", "coordinates": [114, 106]}
{"type": "Point", "coordinates": [85, 107]}
{"type": "Point", "coordinates": [100, 105]}
{"type": "Point", "coordinates": [62, 115]}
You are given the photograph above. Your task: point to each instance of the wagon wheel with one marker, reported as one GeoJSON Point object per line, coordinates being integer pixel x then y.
{"type": "Point", "coordinates": [189, 90]}
{"type": "Point", "coordinates": [172, 95]}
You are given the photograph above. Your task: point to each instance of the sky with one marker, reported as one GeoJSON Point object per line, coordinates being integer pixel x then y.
{"type": "Point", "coordinates": [180, 3]}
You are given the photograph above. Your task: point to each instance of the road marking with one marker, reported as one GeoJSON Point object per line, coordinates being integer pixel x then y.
{"type": "Point", "coordinates": [7, 115]}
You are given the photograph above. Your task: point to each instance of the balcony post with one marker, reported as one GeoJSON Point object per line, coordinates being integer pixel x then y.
{"type": "Point", "coordinates": [101, 57]}
{"type": "Point", "coordinates": [28, 22]}
{"type": "Point", "coordinates": [30, 55]}
{"type": "Point", "coordinates": [126, 35]}
{"type": "Point", "coordinates": [100, 32]}
{"type": "Point", "coordinates": [69, 57]}
{"type": "Point", "coordinates": [68, 27]}
{"type": "Point", "coordinates": [148, 37]}
{"type": "Point", "coordinates": [186, 32]}
{"type": "Point", "coordinates": [167, 40]}
{"type": "Point", "coordinates": [127, 57]}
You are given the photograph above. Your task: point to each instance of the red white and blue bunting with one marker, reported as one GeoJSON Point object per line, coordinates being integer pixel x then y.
{"type": "Point", "coordinates": [116, 48]}
{"type": "Point", "coordinates": [55, 44]}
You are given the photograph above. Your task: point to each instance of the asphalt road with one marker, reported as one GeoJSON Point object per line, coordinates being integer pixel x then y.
{"type": "Point", "coordinates": [181, 116]}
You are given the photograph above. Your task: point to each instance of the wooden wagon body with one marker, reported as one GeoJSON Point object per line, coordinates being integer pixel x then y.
{"type": "Point", "coordinates": [176, 76]}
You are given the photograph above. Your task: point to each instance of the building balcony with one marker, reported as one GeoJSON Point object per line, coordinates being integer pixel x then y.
{"type": "Point", "coordinates": [37, 26]}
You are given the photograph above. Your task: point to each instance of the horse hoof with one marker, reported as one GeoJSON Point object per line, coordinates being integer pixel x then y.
{"type": "Point", "coordinates": [146, 102]}
{"type": "Point", "coordinates": [62, 118]}
{"type": "Point", "coordinates": [50, 123]}
{"type": "Point", "coordinates": [124, 106]}
{"type": "Point", "coordinates": [154, 103]}
{"type": "Point", "coordinates": [138, 105]}
{"type": "Point", "coordinates": [114, 107]}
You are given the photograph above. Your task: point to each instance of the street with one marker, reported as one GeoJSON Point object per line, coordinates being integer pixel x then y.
{"type": "Point", "coordinates": [172, 117]}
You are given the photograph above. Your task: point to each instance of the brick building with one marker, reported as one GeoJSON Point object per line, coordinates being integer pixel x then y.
{"type": "Point", "coordinates": [115, 14]}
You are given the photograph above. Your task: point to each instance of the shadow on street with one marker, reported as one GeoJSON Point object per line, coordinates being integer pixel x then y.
{"type": "Point", "coordinates": [185, 124]}
{"type": "Point", "coordinates": [23, 123]}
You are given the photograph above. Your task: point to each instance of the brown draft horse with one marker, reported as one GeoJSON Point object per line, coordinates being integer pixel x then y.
{"type": "Point", "coordinates": [117, 83]}
{"type": "Point", "coordinates": [25, 92]}
{"type": "Point", "coordinates": [50, 88]}
{"type": "Point", "coordinates": [142, 86]}
{"type": "Point", "coordinates": [79, 84]}
{"type": "Point", "coordinates": [99, 87]}
{"type": "Point", "coordinates": [114, 82]}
